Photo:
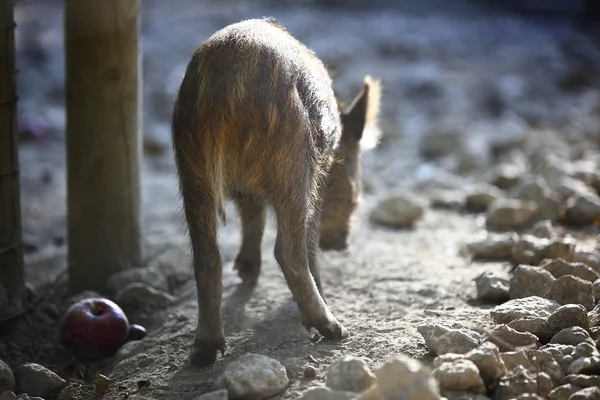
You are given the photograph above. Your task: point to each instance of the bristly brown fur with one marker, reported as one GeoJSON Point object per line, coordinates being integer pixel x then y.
{"type": "Point", "coordinates": [256, 120]}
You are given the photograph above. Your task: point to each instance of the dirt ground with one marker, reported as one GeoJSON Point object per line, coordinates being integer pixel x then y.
{"type": "Point", "coordinates": [437, 65]}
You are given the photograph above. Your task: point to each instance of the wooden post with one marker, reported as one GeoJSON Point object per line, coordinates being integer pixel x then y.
{"type": "Point", "coordinates": [104, 153]}
{"type": "Point", "coordinates": [12, 281]}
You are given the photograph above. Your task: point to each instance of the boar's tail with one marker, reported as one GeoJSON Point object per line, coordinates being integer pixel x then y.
{"type": "Point", "coordinates": [216, 168]}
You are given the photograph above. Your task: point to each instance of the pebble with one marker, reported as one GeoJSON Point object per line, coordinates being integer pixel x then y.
{"type": "Point", "coordinates": [460, 395]}
{"type": "Point", "coordinates": [509, 339]}
{"type": "Point", "coordinates": [448, 337]}
{"type": "Point", "coordinates": [151, 276]}
{"type": "Point", "coordinates": [537, 191]}
{"type": "Point", "coordinates": [563, 392]}
{"type": "Point", "coordinates": [533, 306]}
{"type": "Point", "coordinates": [561, 248]}
{"type": "Point", "coordinates": [591, 393]}
{"type": "Point", "coordinates": [140, 295]}
{"type": "Point", "coordinates": [220, 394]}
{"type": "Point", "coordinates": [534, 361]}
{"type": "Point", "coordinates": [7, 379]}
{"type": "Point", "coordinates": [405, 378]}
{"type": "Point", "coordinates": [253, 376]}
{"type": "Point", "coordinates": [582, 210]}
{"type": "Point", "coordinates": [596, 290]}
{"type": "Point", "coordinates": [559, 267]}
{"type": "Point", "coordinates": [590, 259]}
{"type": "Point", "coordinates": [569, 289]}
{"type": "Point", "coordinates": [459, 375]}
{"type": "Point", "coordinates": [486, 357]}
{"type": "Point", "coordinates": [536, 326]}
{"type": "Point", "coordinates": [351, 374]}
{"type": "Point", "coordinates": [567, 316]}
{"type": "Point", "coordinates": [480, 200]}
{"type": "Point", "coordinates": [491, 287]}
{"type": "Point", "coordinates": [510, 214]}
{"type": "Point", "coordinates": [494, 246]}
{"type": "Point", "coordinates": [521, 381]}
{"type": "Point", "coordinates": [594, 316]}
{"type": "Point", "coordinates": [572, 336]}
{"type": "Point", "coordinates": [529, 250]}
{"type": "Point", "coordinates": [325, 393]}
{"type": "Point", "coordinates": [36, 380]}
{"type": "Point", "coordinates": [543, 229]}
{"type": "Point", "coordinates": [401, 211]}
{"type": "Point", "coordinates": [506, 176]}
{"type": "Point", "coordinates": [529, 281]}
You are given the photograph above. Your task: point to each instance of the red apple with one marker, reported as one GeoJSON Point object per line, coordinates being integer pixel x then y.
{"type": "Point", "coordinates": [136, 332]}
{"type": "Point", "coordinates": [94, 328]}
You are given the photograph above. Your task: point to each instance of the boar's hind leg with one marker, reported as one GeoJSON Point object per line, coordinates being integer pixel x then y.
{"type": "Point", "coordinates": [253, 214]}
{"type": "Point", "coordinates": [200, 213]}
{"type": "Point", "coordinates": [292, 255]}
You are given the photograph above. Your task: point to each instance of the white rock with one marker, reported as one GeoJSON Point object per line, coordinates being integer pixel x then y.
{"type": "Point", "coordinates": [459, 375]}
{"type": "Point", "coordinates": [141, 295]}
{"type": "Point", "coordinates": [401, 211]}
{"type": "Point", "coordinates": [253, 376]}
{"type": "Point", "coordinates": [529, 281]}
{"type": "Point", "coordinates": [534, 307]}
{"type": "Point", "coordinates": [569, 289]}
{"type": "Point", "coordinates": [521, 381]}
{"type": "Point", "coordinates": [494, 246]}
{"type": "Point", "coordinates": [447, 337]}
{"type": "Point", "coordinates": [350, 374]}
{"type": "Point", "coordinates": [151, 276]}
{"type": "Point", "coordinates": [492, 287]}
{"type": "Point", "coordinates": [401, 377]}
{"type": "Point", "coordinates": [510, 214]}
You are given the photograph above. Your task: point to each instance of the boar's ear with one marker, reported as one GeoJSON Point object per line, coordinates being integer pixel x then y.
{"type": "Point", "coordinates": [360, 119]}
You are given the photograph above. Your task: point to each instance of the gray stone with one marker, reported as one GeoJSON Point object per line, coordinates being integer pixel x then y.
{"type": "Point", "coordinates": [591, 393]}
{"type": "Point", "coordinates": [488, 361]}
{"type": "Point", "coordinates": [8, 395]}
{"type": "Point", "coordinates": [544, 229]}
{"type": "Point", "coordinates": [494, 246]}
{"type": "Point", "coordinates": [401, 375]}
{"type": "Point", "coordinates": [572, 336]}
{"type": "Point", "coordinates": [559, 267]}
{"type": "Point", "coordinates": [36, 380]}
{"type": "Point", "coordinates": [479, 200]}
{"type": "Point", "coordinates": [567, 316]}
{"type": "Point", "coordinates": [459, 375]}
{"type": "Point", "coordinates": [401, 211]}
{"type": "Point", "coordinates": [596, 290]}
{"type": "Point", "coordinates": [508, 339]}
{"type": "Point", "coordinates": [536, 326]}
{"type": "Point", "coordinates": [446, 337]}
{"type": "Point", "coordinates": [569, 289]}
{"type": "Point", "coordinates": [7, 379]}
{"type": "Point", "coordinates": [561, 248]}
{"type": "Point", "coordinates": [583, 381]}
{"type": "Point", "coordinates": [537, 190]}
{"type": "Point", "coordinates": [510, 214]}
{"type": "Point", "coordinates": [350, 374]}
{"type": "Point", "coordinates": [533, 307]}
{"type": "Point", "coordinates": [534, 361]}
{"type": "Point", "coordinates": [506, 176]}
{"type": "Point", "coordinates": [594, 316]}
{"type": "Point", "coordinates": [325, 393]}
{"type": "Point", "coordinates": [491, 287]}
{"type": "Point", "coordinates": [590, 259]}
{"type": "Point", "coordinates": [220, 394]}
{"type": "Point", "coordinates": [529, 281]}
{"type": "Point", "coordinates": [582, 210]}
{"type": "Point", "coordinates": [140, 295]}
{"type": "Point", "coordinates": [562, 392]}
{"type": "Point", "coordinates": [253, 376]}
{"type": "Point", "coordinates": [530, 250]}
{"type": "Point", "coordinates": [521, 381]}
{"type": "Point", "coordinates": [151, 276]}
{"type": "Point", "coordinates": [529, 396]}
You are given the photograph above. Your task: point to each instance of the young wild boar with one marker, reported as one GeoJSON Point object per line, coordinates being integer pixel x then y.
{"type": "Point", "coordinates": [256, 120]}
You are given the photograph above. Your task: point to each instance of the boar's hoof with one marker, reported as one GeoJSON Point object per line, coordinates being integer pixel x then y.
{"type": "Point", "coordinates": [205, 351]}
{"type": "Point", "coordinates": [331, 330]}
{"type": "Point", "coordinates": [248, 271]}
